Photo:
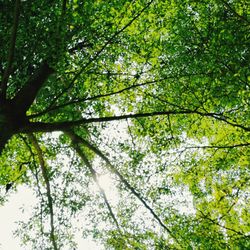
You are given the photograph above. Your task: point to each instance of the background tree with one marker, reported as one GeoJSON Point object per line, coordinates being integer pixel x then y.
{"type": "Point", "coordinates": [154, 94]}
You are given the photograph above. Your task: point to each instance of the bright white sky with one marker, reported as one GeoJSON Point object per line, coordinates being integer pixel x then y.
{"type": "Point", "coordinates": [11, 213]}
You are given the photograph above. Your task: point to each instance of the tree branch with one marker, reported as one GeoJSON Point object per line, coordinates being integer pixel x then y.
{"type": "Point", "coordinates": [27, 94]}
{"type": "Point", "coordinates": [204, 216]}
{"type": "Point", "coordinates": [120, 91]}
{"type": "Point", "coordinates": [7, 71]}
{"type": "Point", "coordinates": [60, 126]}
{"type": "Point", "coordinates": [99, 52]}
{"type": "Point", "coordinates": [230, 8]}
{"type": "Point", "coordinates": [220, 146]}
{"type": "Point", "coordinates": [76, 146]}
{"type": "Point", "coordinates": [47, 183]}
{"type": "Point", "coordinates": [52, 108]}
{"type": "Point", "coordinates": [78, 139]}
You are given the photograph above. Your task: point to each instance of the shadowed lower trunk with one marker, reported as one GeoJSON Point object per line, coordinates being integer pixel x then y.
{"type": "Point", "coordinates": [10, 122]}
{"type": "Point", "coordinates": [6, 129]}
{"type": "Point", "coordinates": [5, 133]}
{"type": "Point", "coordinates": [3, 140]}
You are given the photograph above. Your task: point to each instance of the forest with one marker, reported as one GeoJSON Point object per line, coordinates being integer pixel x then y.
{"type": "Point", "coordinates": [153, 95]}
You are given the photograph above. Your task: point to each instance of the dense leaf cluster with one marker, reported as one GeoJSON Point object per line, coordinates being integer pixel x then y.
{"type": "Point", "coordinates": [153, 94]}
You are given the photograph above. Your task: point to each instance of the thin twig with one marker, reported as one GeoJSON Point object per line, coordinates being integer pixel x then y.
{"type": "Point", "coordinates": [204, 216]}
{"type": "Point", "coordinates": [219, 146]}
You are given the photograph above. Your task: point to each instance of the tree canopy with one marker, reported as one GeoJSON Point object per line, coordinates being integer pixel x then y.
{"type": "Point", "coordinates": [154, 94]}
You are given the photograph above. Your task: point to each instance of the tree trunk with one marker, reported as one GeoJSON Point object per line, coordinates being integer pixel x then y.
{"type": "Point", "coordinates": [5, 132]}
{"type": "Point", "coordinates": [3, 140]}
{"type": "Point", "coordinates": [13, 112]}
{"type": "Point", "coordinates": [27, 94]}
{"type": "Point", "coordinates": [9, 122]}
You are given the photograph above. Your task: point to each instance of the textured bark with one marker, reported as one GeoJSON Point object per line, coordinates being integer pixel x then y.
{"type": "Point", "coordinates": [27, 94]}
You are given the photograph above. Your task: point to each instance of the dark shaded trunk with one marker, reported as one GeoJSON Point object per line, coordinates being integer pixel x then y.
{"type": "Point", "coordinates": [10, 122]}
{"type": "Point", "coordinates": [13, 112]}
{"type": "Point", "coordinates": [5, 126]}
{"type": "Point", "coordinates": [5, 130]}
{"type": "Point", "coordinates": [27, 94]}
{"type": "Point", "coordinates": [4, 137]}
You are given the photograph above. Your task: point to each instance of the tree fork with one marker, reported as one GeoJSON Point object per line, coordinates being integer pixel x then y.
{"type": "Point", "coordinates": [13, 112]}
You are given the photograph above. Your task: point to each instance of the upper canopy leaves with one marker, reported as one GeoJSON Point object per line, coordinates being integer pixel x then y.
{"type": "Point", "coordinates": [154, 94]}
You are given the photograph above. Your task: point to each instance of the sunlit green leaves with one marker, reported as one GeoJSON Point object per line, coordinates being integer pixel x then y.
{"type": "Point", "coordinates": [189, 59]}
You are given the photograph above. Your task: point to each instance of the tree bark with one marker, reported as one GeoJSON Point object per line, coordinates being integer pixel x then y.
{"type": "Point", "coordinates": [4, 137]}
{"type": "Point", "coordinates": [64, 125]}
{"type": "Point", "coordinates": [5, 131]}
{"type": "Point", "coordinates": [13, 112]}
{"type": "Point", "coordinates": [27, 94]}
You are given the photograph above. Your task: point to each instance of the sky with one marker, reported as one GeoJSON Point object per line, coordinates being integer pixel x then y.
{"type": "Point", "coordinates": [11, 213]}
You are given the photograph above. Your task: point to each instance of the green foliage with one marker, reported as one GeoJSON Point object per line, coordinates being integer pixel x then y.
{"type": "Point", "coordinates": [171, 78]}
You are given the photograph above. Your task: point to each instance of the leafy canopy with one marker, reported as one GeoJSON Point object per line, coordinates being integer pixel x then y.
{"type": "Point", "coordinates": [154, 95]}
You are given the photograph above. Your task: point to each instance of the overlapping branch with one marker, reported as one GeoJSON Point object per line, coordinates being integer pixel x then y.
{"type": "Point", "coordinates": [60, 126]}
{"type": "Point", "coordinates": [112, 168]}
{"type": "Point", "coordinates": [99, 52]}
{"type": "Point", "coordinates": [48, 189]}
{"type": "Point", "coordinates": [78, 149]}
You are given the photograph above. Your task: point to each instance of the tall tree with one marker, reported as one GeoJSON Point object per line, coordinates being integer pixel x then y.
{"type": "Point", "coordinates": [153, 94]}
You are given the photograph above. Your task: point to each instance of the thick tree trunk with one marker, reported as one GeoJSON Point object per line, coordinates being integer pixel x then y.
{"type": "Point", "coordinates": [10, 122]}
{"type": "Point", "coordinates": [27, 94]}
{"type": "Point", "coordinates": [13, 112]}
{"type": "Point", "coordinates": [4, 137]}
{"type": "Point", "coordinates": [6, 128]}
{"type": "Point", "coordinates": [5, 131]}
